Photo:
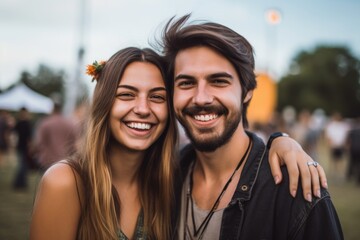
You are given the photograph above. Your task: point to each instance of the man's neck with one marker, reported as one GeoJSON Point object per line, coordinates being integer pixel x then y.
{"type": "Point", "coordinates": [213, 170]}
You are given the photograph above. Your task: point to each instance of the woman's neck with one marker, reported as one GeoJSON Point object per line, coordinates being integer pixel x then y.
{"type": "Point", "coordinates": [124, 169]}
{"type": "Point", "coordinates": [125, 165]}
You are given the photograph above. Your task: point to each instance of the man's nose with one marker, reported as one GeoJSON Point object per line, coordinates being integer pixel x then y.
{"type": "Point", "coordinates": [202, 95]}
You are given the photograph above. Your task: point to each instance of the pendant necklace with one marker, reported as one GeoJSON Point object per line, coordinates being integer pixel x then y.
{"type": "Point", "coordinates": [198, 232]}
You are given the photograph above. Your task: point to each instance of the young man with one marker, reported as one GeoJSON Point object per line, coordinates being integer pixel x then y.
{"type": "Point", "coordinates": [228, 191]}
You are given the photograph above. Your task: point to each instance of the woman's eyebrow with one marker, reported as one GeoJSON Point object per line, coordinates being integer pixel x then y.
{"type": "Point", "coordinates": [128, 87]}
{"type": "Point", "coordinates": [158, 89]}
{"type": "Point", "coordinates": [155, 89]}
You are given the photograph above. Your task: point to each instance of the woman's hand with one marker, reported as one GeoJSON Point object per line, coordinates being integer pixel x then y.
{"type": "Point", "coordinates": [285, 150]}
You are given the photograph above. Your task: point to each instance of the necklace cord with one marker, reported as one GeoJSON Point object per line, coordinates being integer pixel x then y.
{"type": "Point", "coordinates": [207, 219]}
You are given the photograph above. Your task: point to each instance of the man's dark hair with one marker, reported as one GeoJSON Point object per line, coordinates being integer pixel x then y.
{"type": "Point", "coordinates": [177, 36]}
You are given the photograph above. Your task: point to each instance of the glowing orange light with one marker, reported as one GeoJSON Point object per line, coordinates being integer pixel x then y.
{"type": "Point", "coordinates": [273, 16]}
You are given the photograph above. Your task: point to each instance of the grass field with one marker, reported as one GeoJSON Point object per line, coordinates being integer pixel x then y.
{"type": "Point", "coordinates": [346, 198]}
{"type": "Point", "coordinates": [15, 206]}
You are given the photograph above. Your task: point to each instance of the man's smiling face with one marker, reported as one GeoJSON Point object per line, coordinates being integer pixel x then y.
{"type": "Point", "coordinates": [207, 97]}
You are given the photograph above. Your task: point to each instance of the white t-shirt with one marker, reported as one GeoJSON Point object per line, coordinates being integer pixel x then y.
{"type": "Point", "coordinates": [212, 231]}
{"type": "Point", "coordinates": [336, 132]}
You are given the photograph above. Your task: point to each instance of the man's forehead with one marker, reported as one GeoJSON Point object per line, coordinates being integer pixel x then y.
{"type": "Point", "coordinates": [201, 60]}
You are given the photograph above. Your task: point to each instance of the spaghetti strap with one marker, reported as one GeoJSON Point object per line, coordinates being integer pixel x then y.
{"type": "Point", "coordinates": [77, 187]}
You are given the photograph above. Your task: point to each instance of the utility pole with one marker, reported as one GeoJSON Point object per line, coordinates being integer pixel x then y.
{"type": "Point", "coordinates": [72, 86]}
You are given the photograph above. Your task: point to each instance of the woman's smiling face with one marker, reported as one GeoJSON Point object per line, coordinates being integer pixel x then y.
{"type": "Point", "coordinates": [139, 113]}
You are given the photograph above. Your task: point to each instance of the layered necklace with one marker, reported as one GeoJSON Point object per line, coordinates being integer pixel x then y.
{"type": "Point", "coordinates": [199, 232]}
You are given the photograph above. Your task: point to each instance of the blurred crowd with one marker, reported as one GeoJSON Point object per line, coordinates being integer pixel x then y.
{"type": "Point", "coordinates": [315, 131]}
{"type": "Point", "coordinates": [38, 140]}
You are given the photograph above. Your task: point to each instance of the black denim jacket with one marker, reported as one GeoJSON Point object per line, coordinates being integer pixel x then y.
{"type": "Point", "coordinates": [259, 209]}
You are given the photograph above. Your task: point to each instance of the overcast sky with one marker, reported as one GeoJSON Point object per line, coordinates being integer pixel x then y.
{"type": "Point", "coordinates": [49, 32]}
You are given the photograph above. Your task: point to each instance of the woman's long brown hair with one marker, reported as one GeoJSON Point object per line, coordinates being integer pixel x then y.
{"type": "Point", "coordinates": [100, 204]}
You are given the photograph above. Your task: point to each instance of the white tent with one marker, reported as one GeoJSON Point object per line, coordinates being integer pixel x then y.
{"type": "Point", "coordinates": [22, 96]}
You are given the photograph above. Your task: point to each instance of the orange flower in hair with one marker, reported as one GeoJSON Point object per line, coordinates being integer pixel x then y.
{"type": "Point", "coordinates": [94, 69]}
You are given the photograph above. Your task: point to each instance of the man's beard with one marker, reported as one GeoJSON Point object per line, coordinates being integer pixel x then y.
{"type": "Point", "coordinates": [211, 143]}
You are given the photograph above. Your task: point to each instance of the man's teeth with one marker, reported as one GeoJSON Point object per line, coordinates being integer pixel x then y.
{"type": "Point", "coordinates": [143, 126]}
{"type": "Point", "coordinates": [205, 118]}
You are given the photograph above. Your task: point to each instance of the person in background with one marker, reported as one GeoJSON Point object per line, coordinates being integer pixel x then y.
{"type": "Point", "coordinates": [55, 138]}
{"type": "Point", "coordinates": [227, 188]}
{"type": "Point", "coordinates": [23, 129]}
{"type": "Point", "coordinates": [304, 133]}
{"type": "Point", "coordinates": [5, 129]}
{"type": "Point", "coordinates": [353, 146]}
{"type": "Point", "coordinates": [336, 132]}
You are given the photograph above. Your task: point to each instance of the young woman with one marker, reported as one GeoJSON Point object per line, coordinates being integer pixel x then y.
{"type": "Point", "coordinates": [120, 183]}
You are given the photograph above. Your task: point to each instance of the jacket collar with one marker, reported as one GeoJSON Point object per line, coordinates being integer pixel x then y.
{"type": "Point", "coordinates": [249, 174]}
{"type": "Point", "coordinates": [250, 171]}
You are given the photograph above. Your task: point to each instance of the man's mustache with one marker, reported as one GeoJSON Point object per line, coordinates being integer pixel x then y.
{"type": "Point", "coordinates": [195, 110]}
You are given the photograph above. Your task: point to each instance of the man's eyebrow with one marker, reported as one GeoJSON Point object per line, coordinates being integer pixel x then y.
{"type": "Point", "coordinates": [183, 76]}
{"type": "Point", "coordinates": [214, 75]}
{"type": "Point", "coordinates": [221, 75]}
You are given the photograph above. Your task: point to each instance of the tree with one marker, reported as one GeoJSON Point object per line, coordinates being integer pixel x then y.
{"type": "Point", "coordinates": [46, 81]}
{"type": "Point", "coordinates": [327, 78]}
{"type": "Point", "coordinates": [49, 82]}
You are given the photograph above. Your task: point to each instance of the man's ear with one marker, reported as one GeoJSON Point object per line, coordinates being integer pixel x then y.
{"type": "Point", "coordinates": [248, 96]}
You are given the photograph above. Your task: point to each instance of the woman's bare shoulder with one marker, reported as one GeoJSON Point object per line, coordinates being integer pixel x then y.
{"type": "Point", "coordinates": [60, 176]}
{"type": "Point", "coordinates": [57, 208]}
